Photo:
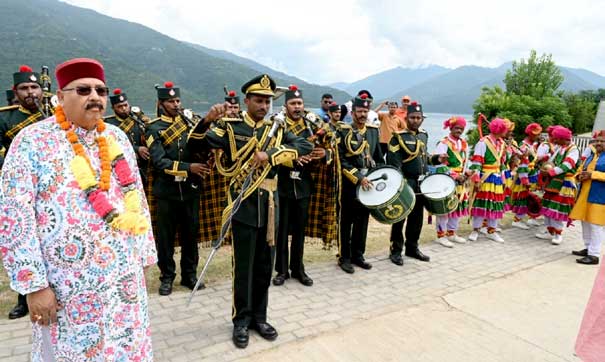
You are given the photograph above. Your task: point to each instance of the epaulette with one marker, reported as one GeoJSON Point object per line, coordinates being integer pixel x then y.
{"type": "Point", "coordinates": [9, 108]}
{"type": "Point", "coordinates": [230, 119]}
{"type": "Point", "coordinates": [422, 130]}
{"type": "Point", "coordinates": [345, 126]}
{"type": "Point", "coordinates": [154, 120]}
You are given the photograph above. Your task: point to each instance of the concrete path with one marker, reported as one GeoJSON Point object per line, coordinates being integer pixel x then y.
{"type": "Point", "coordinates": [518, 301]}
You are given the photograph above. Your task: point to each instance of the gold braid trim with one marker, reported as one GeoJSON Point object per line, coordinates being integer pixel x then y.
{"type": "Point", "coordinates": [412, 155]}
{"type": "Point", "coordinates": [350, 151]}
{"type": "Point", "coordinates": [222, 169]}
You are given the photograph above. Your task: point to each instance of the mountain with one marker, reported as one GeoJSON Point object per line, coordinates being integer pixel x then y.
{"type": "Point", "coordinates": [135, 57]}
{"type": "Point", "coordinates": [386, 83]}
{"type": "Point", "coordinates": [339, 85]}
{"type": "Point", "coordinates": [455, 90]}
{"type": "Point", "coordinates": [313, 92]}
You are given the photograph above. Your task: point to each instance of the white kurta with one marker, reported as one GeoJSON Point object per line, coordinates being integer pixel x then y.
{"type": "Point", "coordinates": [51, 236]}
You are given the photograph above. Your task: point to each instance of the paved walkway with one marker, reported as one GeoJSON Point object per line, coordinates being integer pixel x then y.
{"type": "Point", "coordinates": [518, 301]}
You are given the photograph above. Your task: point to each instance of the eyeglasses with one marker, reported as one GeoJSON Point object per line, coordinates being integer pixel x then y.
{"type": "Point", "coordinates": [86, 90]}
{"type": "Point", "coordinates": [328, 102]}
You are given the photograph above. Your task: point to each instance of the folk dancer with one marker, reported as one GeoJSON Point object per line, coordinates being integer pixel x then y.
{"type": "Point", "coordinates": [456, 150]}
{"type": "Point", "coordinates": [560, 189]}
{"type": "Point", "coordinates": [359, 151]}
{"type": "Point", "coordinates": [590, 204]}
{"type": "Point", "coordinates": [408, 153]}
{"type": "Point", "coordinates": [253, 224]}
{"type": "Point", "coordinates": [488, 160]}
{"type": "Point", "coordinates": [527, 177]}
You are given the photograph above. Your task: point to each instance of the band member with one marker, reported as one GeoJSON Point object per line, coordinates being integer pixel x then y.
{"type": "Point", "coordinates": [359, 151]}
{"type": "Point", "coordinates": [214, 188]}
{"type": "Point", "coordinates": [28, 91]}
{"type": "Point", "coordinates": [590, 204]}
{"type": "Point", "coordinates": [133, 125]}
{"type": "Point", "coordinates": [527, 176]}
{"type": "Point", "coordinates": [253, 223]}
{"type": "Point", "coordinates": [456, 149]}
{"type": "Point", "coordinates": [11, 97]}
{"type": "Point", "coordinates": [334, 112]}
{"type": "Point", "coordinates": [176, 194]}
{"type": "Point", "coordinates": [488, 162]}
{"type": "Point", "coordinates": [295, 186]}
{"type": "Point", "coordinates": [233, 106]}
{"type": "Point", "coordinates": [407, 152]}
{"type": "Point", "coordinates": [560, 189]}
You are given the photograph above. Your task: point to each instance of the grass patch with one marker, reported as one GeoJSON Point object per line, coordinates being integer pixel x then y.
{"type": "Point", "coordinates": [220, 269]}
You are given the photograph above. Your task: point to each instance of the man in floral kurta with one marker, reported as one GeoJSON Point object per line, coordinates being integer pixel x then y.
{"type": "Point", "coordinates": [63, 238]}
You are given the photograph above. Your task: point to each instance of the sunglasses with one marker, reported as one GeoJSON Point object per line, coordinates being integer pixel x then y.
{"type": "Point", "coordinates": [86, 90]}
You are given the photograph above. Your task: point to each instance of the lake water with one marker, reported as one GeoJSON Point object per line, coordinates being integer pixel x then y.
{"type": "Point", "coordinates": [433, 124]}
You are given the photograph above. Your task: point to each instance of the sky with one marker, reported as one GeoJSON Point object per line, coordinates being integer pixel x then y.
{"type": "Point", "coordinates": [343, 41]}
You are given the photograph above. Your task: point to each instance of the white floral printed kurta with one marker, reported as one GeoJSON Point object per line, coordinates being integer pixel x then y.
{"type": "Point", "coordinates": [51, 236]}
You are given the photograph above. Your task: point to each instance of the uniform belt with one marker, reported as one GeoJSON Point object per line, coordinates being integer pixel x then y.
{"type": "Point", "coordinates": [270, 185]}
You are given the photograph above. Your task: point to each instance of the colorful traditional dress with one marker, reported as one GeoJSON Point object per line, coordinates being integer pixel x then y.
{"type": "Point", "coordinates": [456, 150]}
{"type": "Point", "coordinates": [52, 237]}
{"type": "Point", "coordinates": [488, 160]}
{"type": "Point", "coordinates": [589, 207]}
{"type": "Point", "coordinates": [527, 178]}
{"type": "Point", "coordinates": [560, 189]}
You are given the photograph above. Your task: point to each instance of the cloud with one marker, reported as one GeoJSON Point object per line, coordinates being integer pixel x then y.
{"type": "Point", "coordinates": [328, 41]}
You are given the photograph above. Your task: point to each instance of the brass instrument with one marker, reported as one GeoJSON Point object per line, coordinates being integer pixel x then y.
{"type": "Point", "coordinates": [47, 95]}
{"type": "Point", "coordinates": [189, 117]}
{"type": "Point", "coordinates": [547, 166]}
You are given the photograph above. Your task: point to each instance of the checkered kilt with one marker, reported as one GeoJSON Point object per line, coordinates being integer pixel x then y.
{"type": "Point", "coordinates": [212, 202]}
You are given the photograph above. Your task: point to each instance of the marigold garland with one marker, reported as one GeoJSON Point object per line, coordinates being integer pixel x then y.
{"type": "Point", "coordinates": [132, 219]}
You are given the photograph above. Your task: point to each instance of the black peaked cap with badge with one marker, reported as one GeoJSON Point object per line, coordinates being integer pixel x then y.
{"type": "Point", "coordinates": [232, 97]}
{"type": "Point", "coordinates": [293, 93]}
{"type": "Point", "coordinates": [260, 85]}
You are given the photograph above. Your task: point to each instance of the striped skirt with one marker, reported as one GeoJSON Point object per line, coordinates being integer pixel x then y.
{"type": "Point", "coordinates": [489, 200]}
{"type": "Point", "coordinates": [557, 204]}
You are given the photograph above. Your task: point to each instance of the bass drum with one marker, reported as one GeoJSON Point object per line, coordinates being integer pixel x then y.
{"type": "Point", "coordinates": [391, 199]}
{"type": "Point", "coordinates": [440, 192]}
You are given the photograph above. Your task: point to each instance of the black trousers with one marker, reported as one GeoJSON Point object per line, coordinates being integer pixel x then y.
{"type": "Point", "coordinates": [184, 216]}
{"type": "Point", "coordinates": [252, 266]}
{"type": "Point", "coordinates": [413, 226]}
{"type": "Point", "coordinates": [293, 218]}
{"type": "Point", "coordinates": [353, 226]}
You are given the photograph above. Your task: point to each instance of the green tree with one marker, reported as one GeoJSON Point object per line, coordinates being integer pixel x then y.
{"type": "Point", "coordinates": [536, 77]}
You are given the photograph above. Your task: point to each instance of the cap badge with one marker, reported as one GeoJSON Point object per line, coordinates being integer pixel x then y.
{"type": "Point", "coordinates": [418, 108]}
{"type": "Point", "coordinates": [171, 92]}
{"type": "Point", "coordinates": [33, 78]}
{"type": "Point", "coordinates": [264, 81]}
{"type": "Point", "coordinates": [365, 104]}
{"type": "Point", "coordinates": [297, 93]}
{"type": "Point", "coordinates": [121, 98]}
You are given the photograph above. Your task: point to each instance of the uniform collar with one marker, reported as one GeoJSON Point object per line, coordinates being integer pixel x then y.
{"type": "Point", "coordinates": [166, 118]}
{"type": "Point", "coordinates": [24, 110]}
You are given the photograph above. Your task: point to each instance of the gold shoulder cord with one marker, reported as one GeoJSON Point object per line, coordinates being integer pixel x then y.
{"type": "Point", "coordinates": [350, 151]}
{"type": "Point", "coordinates": [413, 155]}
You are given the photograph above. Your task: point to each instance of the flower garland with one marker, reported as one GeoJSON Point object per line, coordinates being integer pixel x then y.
{"type": "Point", "coordinates": [132, 219]}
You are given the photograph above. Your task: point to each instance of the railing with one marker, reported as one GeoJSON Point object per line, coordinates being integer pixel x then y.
{"type": "Point", "coordinates": [582, 142]}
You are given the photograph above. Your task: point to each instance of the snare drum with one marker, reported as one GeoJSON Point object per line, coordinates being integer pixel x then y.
{"type": "Point", "coordinates": [390, 199]}
{"type": "Point", "coordinates": [440, 192]}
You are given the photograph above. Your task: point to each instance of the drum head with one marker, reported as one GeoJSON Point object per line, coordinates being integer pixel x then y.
{"type": "Point", "coordinates": [384, 189]}
{"type": "Point", "coordinates": [438, 186]}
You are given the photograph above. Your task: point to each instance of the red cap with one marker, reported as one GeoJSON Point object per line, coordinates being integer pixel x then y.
{"type": "Point", "coordinates": [292, 87]}
{"type": "Point", "coordinates": [78, 68]}
{"type": "Point", "coordinates": [231, 93]}
{"type": "Point", "coordinates": [168, 84]}
{"type": "Point", "coordinates": [363, 96]}
{"type": "Point", "coordinates": [25, 69]}
{"type": "Point", "coordinates": [117, 91]}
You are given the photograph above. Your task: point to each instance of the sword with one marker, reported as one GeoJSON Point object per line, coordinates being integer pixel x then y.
{"type": "Point", "coordinates": [216, 244]}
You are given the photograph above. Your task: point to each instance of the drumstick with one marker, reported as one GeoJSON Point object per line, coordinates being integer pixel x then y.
{"type": "Point", "coordinates": [384, 176]}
